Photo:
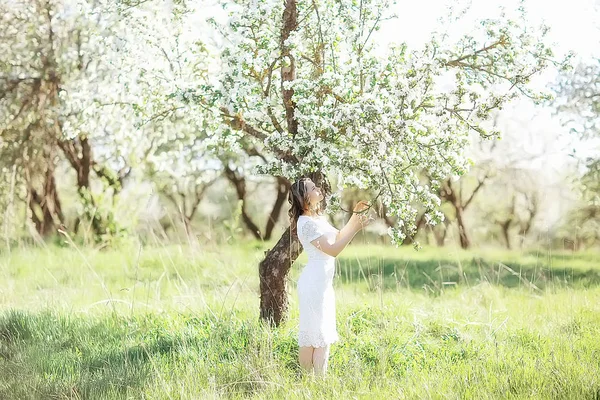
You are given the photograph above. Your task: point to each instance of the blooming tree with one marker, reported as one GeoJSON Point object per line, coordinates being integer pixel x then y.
{"type": "Point", "coordinates": [303, 80]}
{"type": "Point", "coordinates": [85, 82]}
{"type": "Point", "coordinates": [62, 85]}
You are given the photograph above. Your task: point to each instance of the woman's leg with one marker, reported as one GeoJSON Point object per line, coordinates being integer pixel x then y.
{"type": "Point", "coordinates": [320, 359]}
{"type": "Point", "coordinates": [306, 358]}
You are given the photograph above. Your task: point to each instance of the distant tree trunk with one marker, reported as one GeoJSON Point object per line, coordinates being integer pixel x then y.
{"type": "Point", "coordinates": [239, 182]}
{"type": "Point", "coordinates": [44, 204]}
{"type": "Point", "coordinates": [440, 231]}
{"type": "Point", "coordinates": [282, 193]}
{"type": "Point", "coordinates": [440, 237]}
{"type": "Point", "coordinates": [465, 243]}
{"type": "Point", "coordinates": [532, 210]}
{"type": "Point", "coordinates": [187, 203]}
{"type": "Point", "coordinates": [505, 227]}
{"type": "Point", "coordinates": [79, 154]}
{"type": "Point", "coordinates": [508, 222]}
{"type": "Point", "coordinates": [454, 197]}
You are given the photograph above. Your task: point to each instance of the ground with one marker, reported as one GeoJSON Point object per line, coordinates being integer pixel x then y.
{"type": "Point", "coordinates": [176, 322]}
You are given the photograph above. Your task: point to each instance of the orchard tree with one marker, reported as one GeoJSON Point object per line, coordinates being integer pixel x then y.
{"type": "Point", "coordinates": [238, 167]}
{"type": "Point", "coordinates": [302, 80]}
{"type": "Point", "coordinates": [62, 86]}
{"type": "Point", "coordinates": [578, 99]}
{"type": "Point", "coordinates": [583, 222]}
{"type": "Point", "coordinates": [78, 83]}
{"type": "Point", "coordinates": [177, 157]}
{"type": "Point", "coordinates": [578, 102]}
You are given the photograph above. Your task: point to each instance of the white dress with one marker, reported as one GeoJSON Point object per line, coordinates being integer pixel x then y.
{"type": "Point", "coordinates": [315, 285]}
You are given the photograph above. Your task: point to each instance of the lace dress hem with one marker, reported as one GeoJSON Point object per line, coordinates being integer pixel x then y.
{"type": "Point", "coordinates": [315, 339]}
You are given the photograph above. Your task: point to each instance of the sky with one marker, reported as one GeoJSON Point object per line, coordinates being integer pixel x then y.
{"type": "Point", "coordinates": [574, 23]}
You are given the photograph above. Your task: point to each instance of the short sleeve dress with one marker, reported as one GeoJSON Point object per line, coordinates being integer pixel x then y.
{"type": "Point", "coordinates": [317, 327]}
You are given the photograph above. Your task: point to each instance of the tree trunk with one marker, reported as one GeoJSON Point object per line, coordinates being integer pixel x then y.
{"type": "Point", "coordinates": [440, 234]}
{"type": "Point", "coordinates": [46, 210]}
{"type": "Point", "coordinates": [465, 243]}
{"type": "Point", "coordinates": [282, 192]}
{"type": "Point", "coordinates": [79, 154]}
{"type": "Point", "coordinates": [273, 271]}
{"type": "Point", "coordinates": [239, 182]}
{"type": "Point", "coordinates": [274, 268]}
{"type": "Point", "coordinates": [505, 226]}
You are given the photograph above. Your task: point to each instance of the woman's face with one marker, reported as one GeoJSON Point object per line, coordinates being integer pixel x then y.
{"type": "Point", "coordinates": [314, 193]}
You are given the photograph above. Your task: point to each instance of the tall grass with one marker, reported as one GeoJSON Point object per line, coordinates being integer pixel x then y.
{"type": "Point", "coordinates": [181, 322]}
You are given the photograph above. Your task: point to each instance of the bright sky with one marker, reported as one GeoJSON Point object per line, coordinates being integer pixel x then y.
{"type": "Point", "coordinates": [575, 26]}
{"type": "Point", "coordinates": [574, 23]}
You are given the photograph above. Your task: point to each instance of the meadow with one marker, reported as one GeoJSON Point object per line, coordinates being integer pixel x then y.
{"type": "Point", "coordinates": [181, 322]}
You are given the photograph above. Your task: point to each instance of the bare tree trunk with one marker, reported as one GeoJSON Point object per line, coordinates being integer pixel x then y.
{"type": "Point", "coordinates": [454, 197]}
{"type": "Point", "coordinates": [282, 193]}
{"type": "Point", "coordinates": [465, 243]}
{"type": "Point", "coordinates": [79, 154]}
{"type": "Point", "coordinates": [240, 187]}
{"type": "Point", "coordinates": [505, 226]}
{"type": "Point", "coordinates": [440, 238]}
{"type": "Point", "coordinates": [45, 207]}
{"type": "Point", "coordinates": [273, 271]}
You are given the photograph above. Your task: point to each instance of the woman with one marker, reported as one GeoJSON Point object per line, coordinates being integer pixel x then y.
{"type": "Point", "coordinates": [322, 242]}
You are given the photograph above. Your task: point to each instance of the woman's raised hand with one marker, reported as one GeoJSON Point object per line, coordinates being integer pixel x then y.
{"type": "Point", "coordinates": [359, 217]}
{"type": "Point", "coordinates": [361, 206]}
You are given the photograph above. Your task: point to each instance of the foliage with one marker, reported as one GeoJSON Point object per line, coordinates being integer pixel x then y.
{"type": "Point", "coordinates": [182, 324]}
{"type": "Point", "coordinates": [310, 89]}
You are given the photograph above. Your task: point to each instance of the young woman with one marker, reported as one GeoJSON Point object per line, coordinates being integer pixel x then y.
{"type": "Point", "coordinates": [322, 242]}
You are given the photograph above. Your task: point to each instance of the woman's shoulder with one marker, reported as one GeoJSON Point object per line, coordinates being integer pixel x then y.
{"type": "Point", "coordinates": [306, 219]}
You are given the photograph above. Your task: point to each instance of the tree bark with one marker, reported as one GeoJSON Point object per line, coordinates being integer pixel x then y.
{"type": "Point", "coordinates": [282, 193]}
{"type": "Point", "coordinates": [273, 271]}
{"type": "Point", "coordinates": [462, 230]}
{"type": "Point", "coordinates": [46, 203]}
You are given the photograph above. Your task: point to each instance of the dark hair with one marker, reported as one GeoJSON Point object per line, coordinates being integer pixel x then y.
{"type": "Point", "coordinates": [298, 198]}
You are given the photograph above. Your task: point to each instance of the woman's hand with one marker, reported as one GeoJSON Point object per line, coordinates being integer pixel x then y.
{"type": "Point", "coordinates": [361, 206]}
{"type": "Point", "coordinates": [360, 218]}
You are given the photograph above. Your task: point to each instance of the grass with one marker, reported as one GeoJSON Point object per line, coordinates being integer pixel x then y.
{"type": "Point", "coordinates": [172, 322]}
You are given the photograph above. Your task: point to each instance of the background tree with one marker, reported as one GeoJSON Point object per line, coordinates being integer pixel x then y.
{"type": "Point", "coordinates": [59, 100]}
{"type": "Point", "coordinates": [578, 103]}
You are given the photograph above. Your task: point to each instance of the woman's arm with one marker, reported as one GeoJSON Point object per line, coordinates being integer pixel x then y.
{"type": "Point", "coordinates": [345, 235]}
{"type": "Point", "coordinates": [343, 238]}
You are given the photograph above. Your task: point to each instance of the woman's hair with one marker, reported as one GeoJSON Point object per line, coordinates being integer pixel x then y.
{"type": "Point", "coordinates": [298, 198]}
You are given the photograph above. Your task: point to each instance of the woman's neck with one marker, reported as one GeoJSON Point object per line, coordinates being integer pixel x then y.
{"type": "Point", "coordinates": [309, 213]}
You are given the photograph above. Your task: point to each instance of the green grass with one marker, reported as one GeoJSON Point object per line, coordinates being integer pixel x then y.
{"type": "Point", "coordinates": [173, 322]}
